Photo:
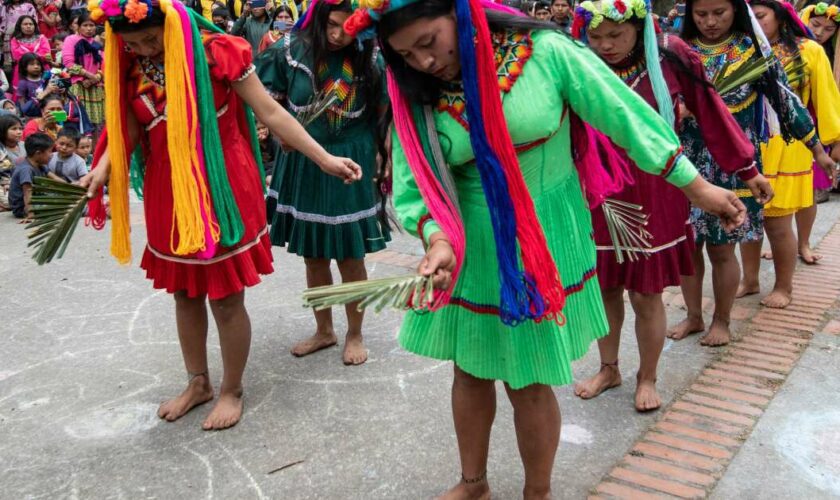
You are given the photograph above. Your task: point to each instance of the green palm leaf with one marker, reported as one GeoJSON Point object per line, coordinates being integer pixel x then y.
{"type": "Point", "coordinates": [401, 292]}
{"type": "Point", "coordinates": [750, 71]}
{"type": "Point", "coordinates": [57, 208]}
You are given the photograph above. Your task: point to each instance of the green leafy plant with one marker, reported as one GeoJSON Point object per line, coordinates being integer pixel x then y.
{"type": "Point", "coordinates": [57, 208]}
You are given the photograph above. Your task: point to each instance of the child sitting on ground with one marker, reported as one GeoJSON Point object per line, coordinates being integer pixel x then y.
{"type": "Point", "coordinates": [65, 164]}
{"type": "Point", "coordinates": [38, 150]}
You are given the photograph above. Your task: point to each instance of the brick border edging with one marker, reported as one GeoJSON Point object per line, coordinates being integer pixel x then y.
{"type": "Point", "coordinates": [687, 450]}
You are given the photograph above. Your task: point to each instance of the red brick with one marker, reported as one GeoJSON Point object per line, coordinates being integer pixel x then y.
{"type": "Point", "coordinates": [800, 311]}
{"type": "Point", "coordinates": [735, 377]}
{"type": "Point", "coordinates": [805, 308]}
{"type": "Point", "coordinates": [781, 322]}
{"type": "Point", "coordinates": [672, 428]}
{"type": "Point", "coordinates": [833, 327]}
{"type": "Point", "coordinates": [783, 332]}
{"type": "Point", "coordinates": [749, 371]}
{"type": "Point", "coordinates": [678, 457]}
{"type": "Point", "coordinates": [746, 353]}
{"type": "Point", "coordinates": [625, 492]}
{"type": "Point", "coordinates": [765, 346]}
{"type": "Point", "coordinates": [723, 405]}
{"type": "Point", "coordinates": [595, 497]}
{"type": "Point", "coordinates": [719, 382]}
{"type": "Point", "coordinates": [686, 445]}
{"type": "Point", "coordinates": [813, 298]}
{"type": "Point", "coordinates": [796, 317]}
{"type": "Point", "coordinates": [702, 423]}
{"type": "Point", "coordinates": [726, 416]}
{"type": "Point", "coordinates": [730, 394]}
{"type": "Point", "coordinates": [671, 471]}
{"type": "Point", "coordinates": [663, 485]}
{"type": "Point", "coordinates": [762, 365]}
{"type": "Point", "coordinates": [783, 339]}
{"type": "Point", "coordinates": [815, 282]}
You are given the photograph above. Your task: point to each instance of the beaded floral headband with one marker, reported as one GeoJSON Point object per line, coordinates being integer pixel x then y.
{"type": "Point", "coordinates": [589, 15]}
{"type": "Point", "coordinates": [821, 9]}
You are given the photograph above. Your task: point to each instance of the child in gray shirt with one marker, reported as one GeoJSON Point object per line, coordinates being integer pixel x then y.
{"type": "Point", "coordinates": [65, 163]}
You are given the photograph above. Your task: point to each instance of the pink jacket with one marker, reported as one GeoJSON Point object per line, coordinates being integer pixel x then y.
{"type": "Point", "coordinates": [68, 56]}
{"type": "Point", "coordinates": [40, 46]}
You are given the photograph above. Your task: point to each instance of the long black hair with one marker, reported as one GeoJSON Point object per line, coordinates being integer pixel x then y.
{"type": "Point", "coordinates": [6, 123]}
{"type": "Point", "coordinates": [18, 33]}
{"type": "Point", "coordinates": [790, 30]}
{"type": "Point", "coordinates": [25, 60]}
{"type": "Point", "coordinates": [369, 75]}
{"type": "Point", "coordinates": [423, 87]}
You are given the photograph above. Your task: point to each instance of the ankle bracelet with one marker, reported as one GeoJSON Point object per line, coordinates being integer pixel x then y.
{"type": "Point", "coordinates": [474, 480]}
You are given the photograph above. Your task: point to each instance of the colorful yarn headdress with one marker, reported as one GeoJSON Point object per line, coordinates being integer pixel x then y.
{"type": "Point", "coordinates": [533, 290]}
{"type": "Point", "coordinates": [831, 12]}
{"type": "Point", "coordinates": [205, 213]}
{"type": "Point", "coordinates": [590, 14]}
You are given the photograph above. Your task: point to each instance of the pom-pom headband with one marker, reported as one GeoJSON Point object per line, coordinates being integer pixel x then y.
{"type": "Point", "coordinates": [134, 11]}
{"type": "Point", "coordinates": [821, 9]}
{"type": "Point", "coordinates": [589, 15]}
{"type": "Point", "coordinates": [304, 21]}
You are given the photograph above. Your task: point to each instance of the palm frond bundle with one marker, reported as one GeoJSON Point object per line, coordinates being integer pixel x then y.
{"type": "Point", "coordinates": [749, 71]}
{"type": "Point", "coordinates": [318, 104]}
{"type": "Point", "coordinates": [400, 292]}
{"type": "Point", "coordinates": [626, 224]}
{"type": "Point", "coordinates": [57, 208]}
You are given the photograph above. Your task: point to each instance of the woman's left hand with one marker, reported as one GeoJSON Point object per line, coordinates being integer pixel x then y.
{"type": "Point", "coordinates": [717, 201]}
{"type": "Point", "coordinates": [345, 168]}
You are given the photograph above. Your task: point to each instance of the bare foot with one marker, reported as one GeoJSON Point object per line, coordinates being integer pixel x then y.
{"type": "Point", "coordinates": [226, 413]}
{"type": "Point", "coordinates": [745, 289]}
{"type": "Point", "coordinates": [686, 327]}
{"type": "Point", "coordinates": [808, 256]}
{"type": "Point", "coordinates": [718, 334]}
{"type": "Point", "coordinates": [767, 255]}
{"type": "Point", "coordinates": [314, 344]}
{"type": "Point", "coordinates": [198, 392]}
{"type": "Point", "coordinates": [464, 491]}
{"type": "Point", "coordinates": [647, 399]}
{"type": "Point", "coordinates": [777, 299]}
{"type": "Point", "coordinates": [607, 378]}
{"type": "Point", "coordinates": [354, 350]}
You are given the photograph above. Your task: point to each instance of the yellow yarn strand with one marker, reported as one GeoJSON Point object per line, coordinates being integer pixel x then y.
{"type": "Point", "coordinates": [118, 183]}
{"type": "Point", "coordinates": [189, 188]}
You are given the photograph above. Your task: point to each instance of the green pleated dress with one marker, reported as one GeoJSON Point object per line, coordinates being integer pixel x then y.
{"type": "Point", "coordinates": [313, 214]}
{"type": "Point", "coordinates": [541, 76]}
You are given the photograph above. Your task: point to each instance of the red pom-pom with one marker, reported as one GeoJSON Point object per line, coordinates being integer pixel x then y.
{"type": "Point", "coordinates": [620, 7]}
{"type": "Point", "coordinates": [577, 27]}
{"type": "Point", "coordinates": [357, 22]}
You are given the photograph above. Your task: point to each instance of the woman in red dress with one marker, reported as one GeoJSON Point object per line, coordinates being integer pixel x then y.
{"type": "Point", "coordinates": [202, 186]}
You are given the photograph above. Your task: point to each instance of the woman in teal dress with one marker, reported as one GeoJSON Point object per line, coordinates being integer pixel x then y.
{"type": "Point", "coordinates": [723, 36]}
{"type": "Point", "coordinates": [491, 329]}
{"type": "Point", "coordinates": [310, 213]}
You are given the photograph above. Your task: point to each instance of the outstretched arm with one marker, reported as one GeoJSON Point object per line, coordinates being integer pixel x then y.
{"type": "Point", "coordinates": [284, 126]}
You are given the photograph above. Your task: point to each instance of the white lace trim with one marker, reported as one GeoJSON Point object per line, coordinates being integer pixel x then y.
{"type": "Point", "coordinates": [247, 73]}
{"type": "Point", "coordinates": [332, 220]}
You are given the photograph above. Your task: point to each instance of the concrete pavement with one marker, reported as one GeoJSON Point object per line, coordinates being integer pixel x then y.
{"type": "Point", "coordinates": [89, 350]}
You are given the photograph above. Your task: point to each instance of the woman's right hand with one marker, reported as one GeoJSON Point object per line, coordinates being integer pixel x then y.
{"type": "Point", "coordinates": [344, 168]}
{"type": "Point", "coordinates": [439, 261]}
{"type": "Point", "coordinates": [94, 180]}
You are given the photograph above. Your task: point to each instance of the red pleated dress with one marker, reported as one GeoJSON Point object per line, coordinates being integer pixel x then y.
{"type": "Point", "coordinates": [230, 270]}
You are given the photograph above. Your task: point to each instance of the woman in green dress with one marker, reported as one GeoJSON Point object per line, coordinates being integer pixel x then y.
{"type": "Point", "coordinates": [494, 322]}
{"type": "Point", "coordinates": [335, 86]}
